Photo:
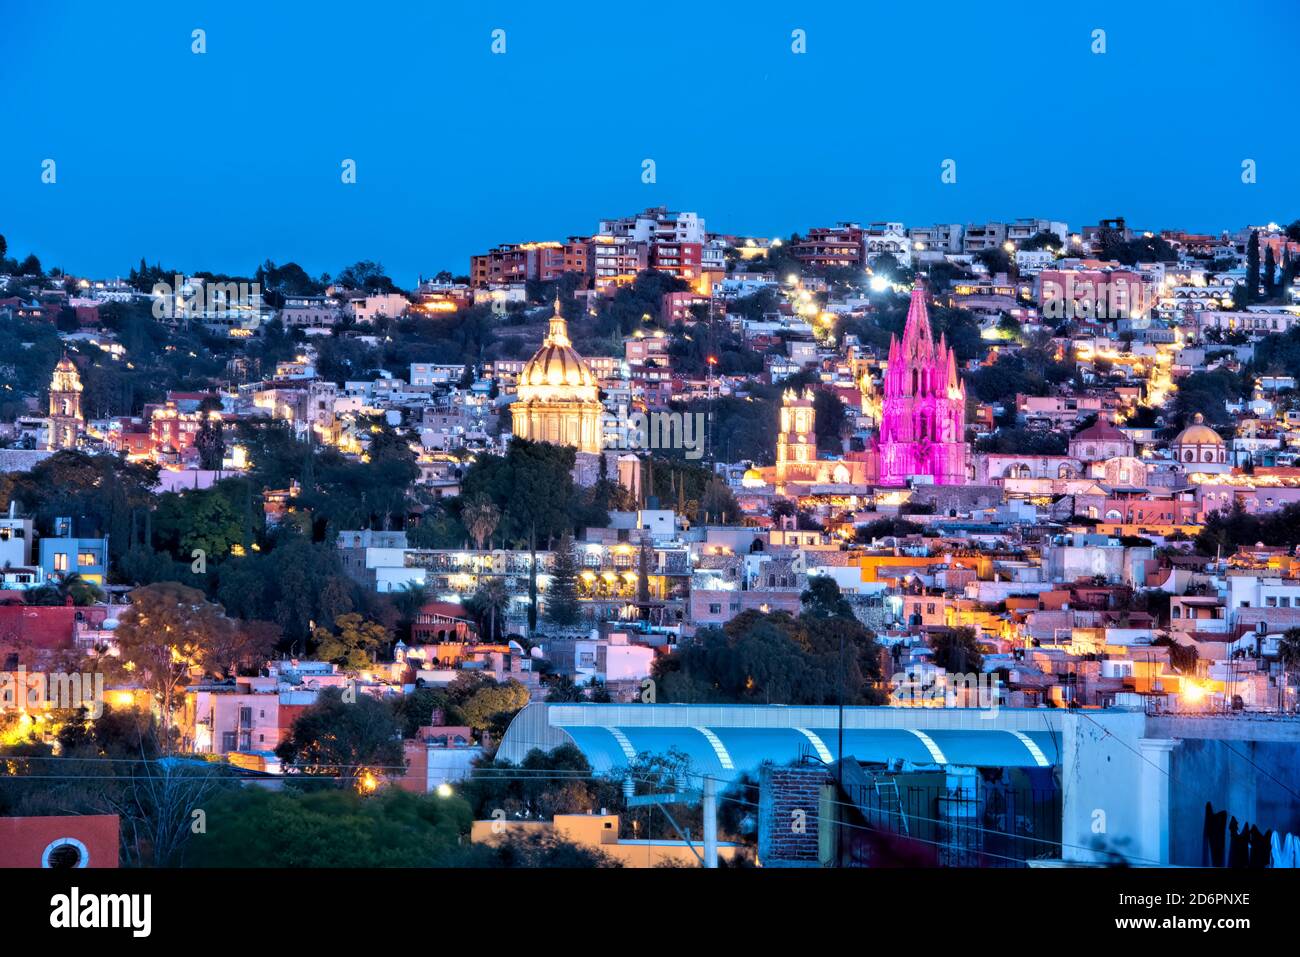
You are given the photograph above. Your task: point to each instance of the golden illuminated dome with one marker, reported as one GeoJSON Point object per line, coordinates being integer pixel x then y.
{"type": "Point", "coordinates": [557, 363]}
{"type": "Point", "coordinates": [1198, 433]}
{"type": "Point", "coordinates": [557, 399]}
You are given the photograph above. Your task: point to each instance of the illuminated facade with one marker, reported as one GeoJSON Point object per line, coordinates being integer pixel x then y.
{"type": "Point", "coordinates": [558, 399]}
{"type": "Point", "coordinates": [798, 467]}
{"type": "Point", "coordinates": [923, 414]}
{"type": "Point", "coordinates": [796, 445]}
{"type": "Point", "coordinates": [66, 421]}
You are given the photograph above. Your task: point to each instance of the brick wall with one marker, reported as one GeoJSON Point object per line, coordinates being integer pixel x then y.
{"type": "Point", "coordinates": [789, 809]}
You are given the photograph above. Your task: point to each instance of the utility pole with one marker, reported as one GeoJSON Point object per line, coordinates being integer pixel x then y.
{"type": "Point", "coordinates": [710, 808]}
{"type": "Point", "coordinates": [839, 765]}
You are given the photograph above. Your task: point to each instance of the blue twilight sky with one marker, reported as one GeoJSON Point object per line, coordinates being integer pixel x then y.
{"type": "Point", "coordinates": [222, 160]}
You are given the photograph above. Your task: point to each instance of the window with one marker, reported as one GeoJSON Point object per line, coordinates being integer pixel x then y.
{"type": "Point", "coordinates": [66, 853]}
{"type": "Point", "coordinates": [715, 609]}
{"type": "Point", "coordinates": [60, 561]}
{"type": "Point", "coordinates": [87, 559]}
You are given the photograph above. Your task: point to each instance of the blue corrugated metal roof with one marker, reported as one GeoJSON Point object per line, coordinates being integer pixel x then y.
{"type": "Point", "coordinates": [729, 752]}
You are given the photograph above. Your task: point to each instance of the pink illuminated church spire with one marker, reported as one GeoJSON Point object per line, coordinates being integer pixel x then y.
{"type": "Point", "coordinates": [923, 417]}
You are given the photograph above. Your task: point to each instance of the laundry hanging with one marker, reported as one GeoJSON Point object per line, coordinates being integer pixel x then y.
{"type": "Point", "coordinates": [1285, 850]}
{"type": "Point", "coordinates": [1238, 845]}
{"type": "Point", "coordinates": [1214, 838]}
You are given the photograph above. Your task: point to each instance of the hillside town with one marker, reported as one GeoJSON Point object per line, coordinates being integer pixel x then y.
{"type": "Point", "coordinates": [631, 546]}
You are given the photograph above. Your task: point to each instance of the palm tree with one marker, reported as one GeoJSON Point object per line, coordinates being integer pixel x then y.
{"type": "Point", "coordinates": [491, 599]}
{"type": "Point", "coordinates": [480, 517]}
{"type": "Point", "coordinates": [408, 600]}
{"type": "Point", "coordinates": [81, 592]}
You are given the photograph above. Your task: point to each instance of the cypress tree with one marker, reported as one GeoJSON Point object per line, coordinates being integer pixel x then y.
{"type": "Point", "coordinates": [562, 593]}
{"type": "Point", "coordinates": [1252, 267]}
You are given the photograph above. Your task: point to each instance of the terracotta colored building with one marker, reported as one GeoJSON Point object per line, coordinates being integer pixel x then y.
{"type": "Point", "coordinates": [60, 842]}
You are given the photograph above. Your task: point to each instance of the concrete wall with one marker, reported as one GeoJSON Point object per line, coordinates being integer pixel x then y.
{"type": "Point", "coordinates": [1100, 776]}
{"type": "Point", "coordinates": [1248, 779]}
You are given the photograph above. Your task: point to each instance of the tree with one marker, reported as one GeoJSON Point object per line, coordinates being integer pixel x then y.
{"type": "Point", "coordinates": [534, 849]}
{"type": "Point", "coordinates": [783, 508]}
{"type": "Point", "coordinates": [830, 421]}
{"type": "Point", "coordinates": [1019, 441]}
{"type": "Point", "coordinates": [345, 738]}
{"type": "Point", "coordinates": [367, 276]}
{"type": "Point", "coordinates": [644, 554]}
{"type": "Point", "coordinates": [202, 520]}
{"type": "Point", "coordinates": [103, 491]}
{"type": "Point", "coordinates": [493, 705]}
{"type": "Point", "coordinates": [407, 600]}
{"type": "Point", "coordinates": [168, 633]}
{"type": "Point", "coordinates": [210, 439]}
{"type": "Point", "coordinates": [73, 587]}
{"type": "Point", "coordinates": [1206, 393]}
{"type": "Point", "coordinates": [481, 517]}
{"type": "Point", "coordinates": [562, 606]}
{"type": "Point", "coordinates": [718, 504]}
{"type": "Point", "coordinates": [531, 486]}
{"type": "Point", "coordinates": [995, 259]}
{"type": "Point", "coordinates": [247, 647]}
{"type": "Point", "coordinates": [1252, 267]}
{"type": "Point", "coordinates": [490, 601]}
{"type": "Point", "coordinates": [543, 784]}
{"type": "Point", "coordinates": [1041, 240]}
{"type": "Point", "coordinates": [564, 689]}
{"type": "Point", "coordinates": [822, 599]}
{"type": "Point", "coordinates": [957, 651]}
{"type": "Point", "coordinates": [773, 659]}
{"type": "Point", "coordinates": [252, 827]}
{"type": "Point", "coordinates": [886, 528]}
{"type": "Point", "coordinates": [354, 644]}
